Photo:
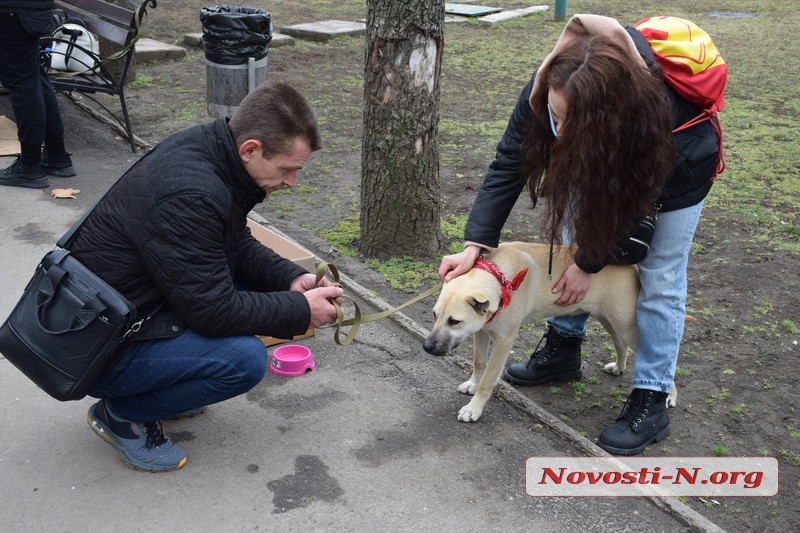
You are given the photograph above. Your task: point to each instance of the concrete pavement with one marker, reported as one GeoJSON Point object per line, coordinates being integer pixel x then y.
{"type": "Point", "coordinates": [368, 441]}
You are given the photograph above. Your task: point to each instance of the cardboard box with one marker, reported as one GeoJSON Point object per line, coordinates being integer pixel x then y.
{"type": "Point", "coordinates": [291, 251]}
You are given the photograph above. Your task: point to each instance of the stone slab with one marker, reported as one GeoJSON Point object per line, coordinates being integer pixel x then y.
{"type": "Point", "coordinates": [324, 30]}
{"type": "Point", "coordinates": [151, 51]}
{"type": "Point", "coordinates": [469, 10]}
{"type": "Point", "coordinates": [511, 14]}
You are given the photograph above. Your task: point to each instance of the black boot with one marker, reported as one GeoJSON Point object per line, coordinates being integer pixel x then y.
{"type": "Point", "coordinates": [559, 359]}
{"type": "Point", "coordinates": [643, 420]}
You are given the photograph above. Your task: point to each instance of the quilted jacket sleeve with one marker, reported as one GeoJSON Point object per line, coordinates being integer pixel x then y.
{"type": "Point", "coordinates": [182, 243]}
{"type": "Point", "coordinates": [503, 182]}
{"type": "Point", "coordinates": [260, 268]}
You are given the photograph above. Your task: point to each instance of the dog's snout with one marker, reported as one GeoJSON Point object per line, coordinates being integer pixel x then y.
{"type": "Point", "coordinates": [428, 346]}
{"type": "Point", "coordinates": [432, 347]}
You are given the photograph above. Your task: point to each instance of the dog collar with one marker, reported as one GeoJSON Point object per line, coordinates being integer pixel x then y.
{"type": "Point", "coordinates": [507, 286]}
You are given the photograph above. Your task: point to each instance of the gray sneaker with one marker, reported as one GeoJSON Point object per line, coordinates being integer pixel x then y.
{"type": "Point", "coordinates": [143, 446]}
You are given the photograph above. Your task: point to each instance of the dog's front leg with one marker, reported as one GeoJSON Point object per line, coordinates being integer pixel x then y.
{"type": "Point", "coordinates": [480, 349]}
{"type": "Point", "coordinates": [501, 348]}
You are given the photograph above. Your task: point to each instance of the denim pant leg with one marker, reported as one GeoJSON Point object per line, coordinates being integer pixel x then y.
{"type": "Point", "coordinates": [569, 325]}
{"type": "Point", "coordinates": [157, 379]}
{"type": "Point", "coordinates": [661, 306]}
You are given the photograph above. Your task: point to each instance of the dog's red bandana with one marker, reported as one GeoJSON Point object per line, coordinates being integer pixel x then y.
{"type": "Point", "coordinates": [507, 286]}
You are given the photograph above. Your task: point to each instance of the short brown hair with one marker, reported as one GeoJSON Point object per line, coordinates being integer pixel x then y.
{"type": "Point", "coordinates": [275, 113]}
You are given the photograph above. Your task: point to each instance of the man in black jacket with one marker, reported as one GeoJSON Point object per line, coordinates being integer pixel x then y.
{"type": "Point", "coordinates": [171, 236]}
{"type": "Point", "coordinates": [32, 97]}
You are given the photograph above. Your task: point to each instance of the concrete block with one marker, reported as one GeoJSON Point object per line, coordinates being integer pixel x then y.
{"type": "Point", "coordinates": [279, 39]}
{"type": "Point", "coordinates": [193, 39]}
{"type": "Point", "coordinates": [511, 14]}
{"type": "Point", "coordinates": [324, 30]}
{"type": "Point", "coordinates": [151, 51]}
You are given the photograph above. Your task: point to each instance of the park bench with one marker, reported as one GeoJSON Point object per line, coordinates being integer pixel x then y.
{"type": "Point", "coordinates": [117, 27]}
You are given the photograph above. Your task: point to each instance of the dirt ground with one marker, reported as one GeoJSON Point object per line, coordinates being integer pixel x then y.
{"type": "Point", "coordinates": [737, 372]}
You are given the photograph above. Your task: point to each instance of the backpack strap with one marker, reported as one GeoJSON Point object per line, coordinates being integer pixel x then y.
{"type": "Point", "coordinates": [646, 51]}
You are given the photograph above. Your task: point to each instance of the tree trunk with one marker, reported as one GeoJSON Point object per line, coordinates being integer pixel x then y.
{"type": "Point", "coordinates": [400, 148]}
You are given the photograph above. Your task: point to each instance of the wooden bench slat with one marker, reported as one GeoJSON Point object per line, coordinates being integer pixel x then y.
{"type": "Point", "coordinates": [102, 28]}
{"type": "Point", "coordinates": [117, 25]}
{"type": "Point", "coordinates": [120, 15]}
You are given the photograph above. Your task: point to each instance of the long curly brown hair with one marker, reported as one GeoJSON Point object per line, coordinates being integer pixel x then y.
{"type": "Point", "coordinates": [614, 151]}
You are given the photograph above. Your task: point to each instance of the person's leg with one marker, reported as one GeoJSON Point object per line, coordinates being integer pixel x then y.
{"type": "Point", "coordinates": [661, 306]}
{"type": "Point", "coordinates": [158, 379]}
{"type": "Point", "coordinates": [19, 73]}
{"type": "Point", "coordinates": [55, 159]}
{"type": "Point", "coordinates": [660, 315]}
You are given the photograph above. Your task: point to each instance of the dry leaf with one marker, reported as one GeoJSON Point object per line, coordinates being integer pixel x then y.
{"type": "Point", "coordinates": [64, 193]}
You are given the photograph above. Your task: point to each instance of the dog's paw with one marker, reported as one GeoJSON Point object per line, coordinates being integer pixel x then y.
{"type": "Point", "coordinates": [672, 399]}
{"type": "Point", "coordinates": [612, 368]}
{"type": "Point", "coordinates": [470, 413]}
{"type": "Point", "coordinates": [468, 387]}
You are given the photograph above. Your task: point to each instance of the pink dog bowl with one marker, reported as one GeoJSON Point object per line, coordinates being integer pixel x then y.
{"type": "Point", "coordinates": [291, 360]}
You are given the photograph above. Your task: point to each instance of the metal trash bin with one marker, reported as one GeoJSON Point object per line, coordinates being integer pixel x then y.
{"type": "Point", "coordinates": [235, 41]}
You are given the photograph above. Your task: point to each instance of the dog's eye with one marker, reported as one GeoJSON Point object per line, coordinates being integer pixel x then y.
{"type": "Point", "coordinates": [453, 322]}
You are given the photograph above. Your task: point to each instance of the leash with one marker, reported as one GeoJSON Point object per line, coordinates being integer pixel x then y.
{"type": "Point", "coordinates": [359, 319]}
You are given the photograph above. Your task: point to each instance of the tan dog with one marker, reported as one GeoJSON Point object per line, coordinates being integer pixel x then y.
{"type": "Point", "coordinates": [469, 304]}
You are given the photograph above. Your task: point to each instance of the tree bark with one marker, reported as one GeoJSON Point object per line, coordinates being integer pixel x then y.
{"type": "Point", "coordinates": [400, 204]}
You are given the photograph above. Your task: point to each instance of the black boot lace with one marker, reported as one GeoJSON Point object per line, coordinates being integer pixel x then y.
{"type": "Point", "coordinates": [637, 407]}
{"type": "Point", "coordinates": [155, 435]}
{"type": "Point", "coordinates": [542, 357]}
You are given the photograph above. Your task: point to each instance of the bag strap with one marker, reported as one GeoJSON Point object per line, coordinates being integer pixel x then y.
{"type": "Point", "coordinates": [67, 238]}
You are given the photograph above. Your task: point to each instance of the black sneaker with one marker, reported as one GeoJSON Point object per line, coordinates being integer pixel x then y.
{"type": "Point", "coordinates": [60, 166]}
{"type": "Point", "coordinates": [143, 446]}
{"type": "Point", "coordinates": [18, 175]}
{"type": "Point", "coordinates": [643, 420]}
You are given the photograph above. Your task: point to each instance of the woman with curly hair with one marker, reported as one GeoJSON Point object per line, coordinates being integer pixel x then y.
{"type": "Point", "coordinates": [592, 136]}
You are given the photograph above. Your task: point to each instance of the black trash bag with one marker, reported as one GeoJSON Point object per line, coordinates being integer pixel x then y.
{"type": "Point", "coordinates": [233, 34]}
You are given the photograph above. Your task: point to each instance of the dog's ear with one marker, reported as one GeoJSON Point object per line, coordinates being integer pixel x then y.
{"type": "Point", "coordinates": [480, 303]}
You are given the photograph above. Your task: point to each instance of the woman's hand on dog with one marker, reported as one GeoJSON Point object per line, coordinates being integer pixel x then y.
{"type": "Point", "coordinates": [454, 265]}
{"type": "Point", "coordinates": [574, 283]}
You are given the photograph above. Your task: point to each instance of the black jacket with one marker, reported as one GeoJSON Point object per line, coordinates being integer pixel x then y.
{"type": "Point", "coordinates": [172, 232]}
{"type": "Point", "coordinates": [504, 183]}
{"type": "Point", "coordinates": [36, 16]}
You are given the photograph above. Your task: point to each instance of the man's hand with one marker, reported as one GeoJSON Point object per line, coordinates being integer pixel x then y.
{"type": "Point", "coordinates": [575, 284]}
{"type": "Point", "coordinates": [320, 302]}
{"type": "Point", "coordinates": [320, 298]}
{"type": "Point", "coordinates": [306, 282]}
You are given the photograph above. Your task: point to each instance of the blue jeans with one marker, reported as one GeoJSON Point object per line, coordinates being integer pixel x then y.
{"type": "Point", "coordinates": [157, 379]}
{"type": "Point", "coordinates": [661, 306]}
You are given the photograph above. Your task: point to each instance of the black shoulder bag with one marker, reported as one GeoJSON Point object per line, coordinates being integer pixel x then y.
{"type": "Point", "coordinates": [68, 326]}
